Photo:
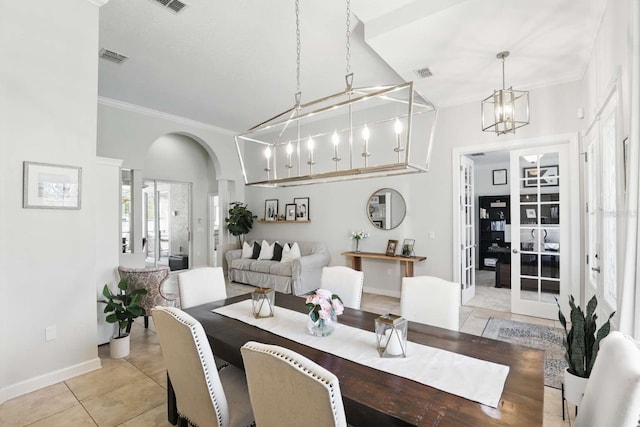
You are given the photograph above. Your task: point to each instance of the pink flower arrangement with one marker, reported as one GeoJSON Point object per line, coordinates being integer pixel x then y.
{"type": "Point", "coordinates": [323, 304]}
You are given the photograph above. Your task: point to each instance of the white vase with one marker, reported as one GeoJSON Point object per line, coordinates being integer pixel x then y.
{"type": "Point", "coordinates": [574, 387]}
{"type": "Point", "coordinates": [119, 347]}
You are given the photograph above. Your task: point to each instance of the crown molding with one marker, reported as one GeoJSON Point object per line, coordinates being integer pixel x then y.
{"type": "Point", "coordinates": [161, 115]}
{"type": "Point", "coordinates": [98, 3]}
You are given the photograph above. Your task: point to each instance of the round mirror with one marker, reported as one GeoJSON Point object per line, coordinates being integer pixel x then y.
{"type": "Point", "coordinates": [386, 209]}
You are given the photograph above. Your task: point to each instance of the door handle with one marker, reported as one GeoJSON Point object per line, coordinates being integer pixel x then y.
{"type": "Point", "coordinates": [515, 251]}
{"type": "Point", "coordinates": [595, 269]}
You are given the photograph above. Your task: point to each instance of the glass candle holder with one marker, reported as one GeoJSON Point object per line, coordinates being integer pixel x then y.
{"type": "Point", "coordinates": [263, 302]}
{"type": "Point", "coordinates": [391, 335]}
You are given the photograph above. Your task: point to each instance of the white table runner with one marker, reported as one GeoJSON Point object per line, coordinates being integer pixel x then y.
{"type": "Point", "coordinates": [474, 379]}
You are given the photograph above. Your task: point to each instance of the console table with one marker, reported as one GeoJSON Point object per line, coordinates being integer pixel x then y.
{"type": "Point", "coordinates": [356, 260]}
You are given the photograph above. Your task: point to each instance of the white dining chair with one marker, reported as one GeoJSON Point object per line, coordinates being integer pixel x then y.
{"type": "Point", "coordinates": [612, 394]}
{"type": "Point", "coordinates": [204, 396]}
{"type": "Point", "coordinates": [289, 390]}
{"type": "Point", "coordinates": [345, 282]}
{"type": "Point", "coordinates": [431, 300]}
{"type": "Point", "coordinates": [201, 285]}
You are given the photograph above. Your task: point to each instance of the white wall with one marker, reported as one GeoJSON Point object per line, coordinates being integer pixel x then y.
{"type": "Point", "coordinates": [339, 208]}
{"type": "Point", "coordinates": [127, 132]}
{"type": "Point", "coordinates": [47, 114]}
{"type": "Point", "coordinates": [181, 159]}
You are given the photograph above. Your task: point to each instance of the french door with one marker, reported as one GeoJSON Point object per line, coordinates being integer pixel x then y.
{"type": "Point", "coordinates": [467, 227]}
{"type": "Point", "coordinates": [166, 227]}
{"type": "Point", "coordinates": [539, 229]}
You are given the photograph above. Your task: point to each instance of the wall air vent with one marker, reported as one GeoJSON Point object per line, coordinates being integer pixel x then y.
{"type": "Point", "coordinates": [112, 56]}
{"type": "Point", "coordinates": [423, 73]}
{"type": "Point", "coordinates": [174, 5]}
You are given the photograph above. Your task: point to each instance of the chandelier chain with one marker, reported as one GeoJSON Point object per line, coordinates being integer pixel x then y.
{"type": "Point", "coordinates": [297, 46]}
{"type": "Point", "coordinates": [348, 55]}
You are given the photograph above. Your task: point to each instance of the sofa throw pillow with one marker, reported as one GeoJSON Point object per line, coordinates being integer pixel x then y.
{"type": "Point", "coordinates": [266, 251]}
{"type": "Point", "coordinates": [277, 252]}
{"type": "Point", "coordinates": [290, 252]}
{"type": "Point", "coordinates": [247, 250]}
{"type": "Point", "coordinates": [256, 250]}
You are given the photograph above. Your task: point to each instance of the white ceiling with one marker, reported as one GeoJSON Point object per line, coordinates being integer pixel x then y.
{"type": "Point", "coordinates": [232, 64]}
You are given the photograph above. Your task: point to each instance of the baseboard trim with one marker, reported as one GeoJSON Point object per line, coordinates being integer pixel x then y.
{"type": "Point", "coordinates": [48, 379]}
{"type": "Point", "coordinates": [385, 292]}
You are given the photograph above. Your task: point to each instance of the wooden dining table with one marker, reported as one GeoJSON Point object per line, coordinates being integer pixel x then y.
{"type": "Point", "coordinates": [375, 398]}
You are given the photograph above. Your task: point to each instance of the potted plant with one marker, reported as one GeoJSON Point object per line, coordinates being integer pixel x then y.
{"type": "Point", "coordinates": [240, 220]}
{"type": "Point", "coordinates": [122, 308]}
{"type": "Point", "coordinates": [581, 343]}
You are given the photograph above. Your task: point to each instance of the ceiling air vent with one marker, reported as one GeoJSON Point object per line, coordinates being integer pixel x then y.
{"type": "Point", "coordinates": [174, 5]}
{"type": "Point", "coordinates": [423, 73]}
{"type": "Point", "coordinates": [112, 56]}
{"type": "Point", "coordinates": [477, 154]}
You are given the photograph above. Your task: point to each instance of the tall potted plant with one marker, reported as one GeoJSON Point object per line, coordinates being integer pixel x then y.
{"type": "Point", "coordinates": [240, 220]}
{"type": "Point", "coordinates": [582, 343]}
{"type": "Point", "coordinates": [122, 308]}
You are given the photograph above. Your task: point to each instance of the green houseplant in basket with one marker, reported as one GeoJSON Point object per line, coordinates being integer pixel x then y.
{"type": "Point", "coordinates": [122, 308]}
{"type": "Point", "coordinates": [581, 343]}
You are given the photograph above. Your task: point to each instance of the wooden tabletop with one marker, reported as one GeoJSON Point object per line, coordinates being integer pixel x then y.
{"type": "Point", "coordinates": [377, 255]}
{"type": "Point", "coordinates": [375, 398]}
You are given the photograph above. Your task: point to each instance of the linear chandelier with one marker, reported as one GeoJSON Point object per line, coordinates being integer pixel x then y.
{"type": "Point", "coordinates": [505, 110]}
{"type": "Point", "coordinates": [357, 133]}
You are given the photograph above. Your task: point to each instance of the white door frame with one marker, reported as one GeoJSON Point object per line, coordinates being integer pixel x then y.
{"type": "Point", "coordinates": [577, 252]}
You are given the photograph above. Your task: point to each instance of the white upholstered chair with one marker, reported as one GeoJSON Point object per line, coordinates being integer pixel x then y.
{"type": "Point", "coordinates": [344, 282]}
{"type": "Point", "coordinates": [201, 285]}
{"type": "Point", "coordinates": [612, 395]}
{"type": "Point", "coordinates": [289, 390]}
{"type": "Point", "coordinates": [431, 300]}
{"type": "Point", "coordinates": [204, 396]}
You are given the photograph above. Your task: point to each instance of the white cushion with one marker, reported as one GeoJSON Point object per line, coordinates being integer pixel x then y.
{"type": "Point", "coordinates": [266, 251]}
{"type": "Point", "coordinates": [247, 250]}
{"type": "Point", "coordinates": [290, 253]}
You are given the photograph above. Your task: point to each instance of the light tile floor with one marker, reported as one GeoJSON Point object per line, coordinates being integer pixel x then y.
{"type": "Point", "coordinates": [131, 392]}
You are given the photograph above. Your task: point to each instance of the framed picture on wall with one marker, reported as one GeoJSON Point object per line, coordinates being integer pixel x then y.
{"type": "Point", "coordinates": [49, 186]}
{"type": "Point", "coordinates": [302, 208]}
{"type": "Point", "coordinates": [499, 176]}
{"type": "Point", "coordinates": [548, 176]}
{"type": "Point", "coordinates": [271, 210]}
{"type": "Point", "coordinates": [290, 212]}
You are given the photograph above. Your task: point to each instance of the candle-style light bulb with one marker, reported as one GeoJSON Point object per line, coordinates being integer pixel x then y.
{"type": "Point", "coordinates": [336, 141]}
{"type": "Point", "coordinates": [289, 151]}
{"type": "Point", "coordinates": [310, 145]}
{"type": "Point", "coordinates": [267, 155]}
{"type": "Point", "coordinates": [365, 136]}
{"type": "Point", "coordinates": [397, 128]}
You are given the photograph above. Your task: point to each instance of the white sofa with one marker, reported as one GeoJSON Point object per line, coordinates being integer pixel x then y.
{"type": "Point", "coordinates": [298, 277]}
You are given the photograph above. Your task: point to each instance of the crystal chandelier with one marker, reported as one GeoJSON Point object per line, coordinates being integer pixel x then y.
{"type": "Point", "coordinates": [357, 133]}
{"type": "Point", "coordinates": [506, 109]}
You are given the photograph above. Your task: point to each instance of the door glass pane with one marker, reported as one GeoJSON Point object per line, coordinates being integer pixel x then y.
{"type": "Point", "coordinates": [149, 215]}
{"type": "Point", "coordinates": [126, 209]}
{"type": "Point", "coordinates": [540, 227]}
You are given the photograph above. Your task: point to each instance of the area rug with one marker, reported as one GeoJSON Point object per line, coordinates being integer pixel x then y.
{"type": "Point", "coordinates": [535, 336]}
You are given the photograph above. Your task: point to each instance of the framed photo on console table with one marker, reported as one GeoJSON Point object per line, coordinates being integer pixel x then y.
{"type": "Point", "coordinates": [49, 186]}
{"type": "Point", "coordinates": [407, 247]}
{"type": "Point", "coordinates": [302, 208]}
{"type": "Point", "coordinates": [391, 248]}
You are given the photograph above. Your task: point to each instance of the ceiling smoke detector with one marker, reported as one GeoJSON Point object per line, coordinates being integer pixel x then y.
{"type": "Point", "coordinates": [423, 73]}
{"type": "Point", "coordinates": [174, 5]}
{"type": "Point", "coordinates": [112, 56]}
